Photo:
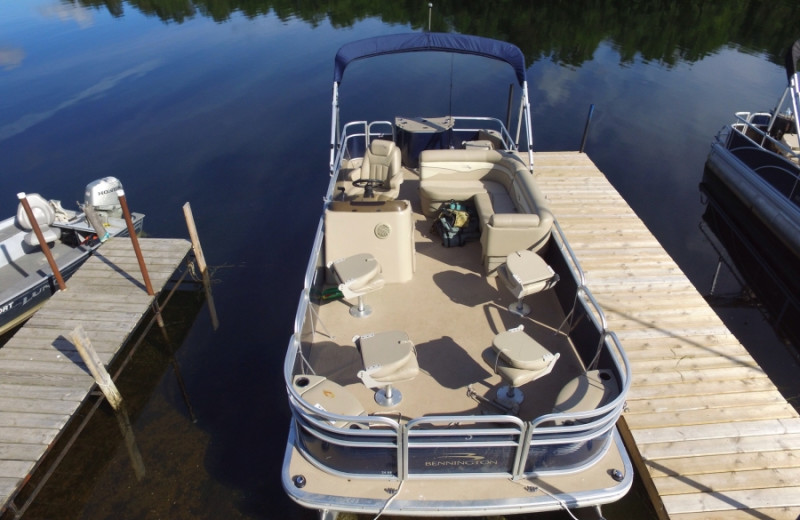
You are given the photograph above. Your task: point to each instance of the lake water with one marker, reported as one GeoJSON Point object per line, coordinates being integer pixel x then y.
{"type": "Point", "coordinates": [226, 104]}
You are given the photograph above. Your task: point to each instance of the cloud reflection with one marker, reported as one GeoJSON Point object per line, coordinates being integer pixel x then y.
{"type": "Point", "coordinates": [11, 57]}
{"type": "Point", "coordinates": [69, 12]}
{"type": "Point", "coordinates": [27, 121]}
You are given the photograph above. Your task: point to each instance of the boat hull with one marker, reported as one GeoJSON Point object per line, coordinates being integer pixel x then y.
{"type": "Point", "coordinates": [766, 263]}
{"type": "Point", "coordinates": [476, 495]}
{"type": "Point", "coordinates": [778, 216]}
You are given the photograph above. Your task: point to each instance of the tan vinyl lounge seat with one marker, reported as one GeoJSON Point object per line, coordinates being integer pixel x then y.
{"type": "Point", "coordinates": [513, 211]}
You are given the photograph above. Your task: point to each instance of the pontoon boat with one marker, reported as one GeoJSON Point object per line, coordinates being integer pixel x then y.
{"type": "Point", "coordinates": [447, 381]}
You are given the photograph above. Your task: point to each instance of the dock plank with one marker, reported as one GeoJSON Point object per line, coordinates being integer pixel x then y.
{"type": "Point", "coordinates": [717, 437]}
{"type": "Point", "coordinates": [729, 500]}
{"type": "Point", "coordinates": [764, 513]}
{"type": "Point", "coordinates": [728, 445]}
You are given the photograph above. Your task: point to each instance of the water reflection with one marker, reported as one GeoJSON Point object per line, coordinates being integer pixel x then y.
{"type": "Point", "coordinates": [82, 16]}
{"type": "Point", "coordinates": [566, 32]}
{"type": "Point", "coordinates": [102, 86]}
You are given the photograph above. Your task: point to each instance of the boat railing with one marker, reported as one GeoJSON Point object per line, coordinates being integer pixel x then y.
{"type": "Point", "coordinates": [780, 170]}
{"type": "Point", "coordinates": [463, 444]}
{"type": "Point", "coordinates": [355, 139]}
{"type": "Point", "coordinates": [563, 245]}
{"type": "Point", "coordinates": [749, 121]}
{"type": "Point", "coordinates": [572, 439]}
{"type": "Point", "coordinates": [467, 443]}
{"type": "Point", "coordinates": [484, 123]}
{"type": "Point", "coordinates": [356, 135]}
{"type": "Point", "coordinates": [598, 417]}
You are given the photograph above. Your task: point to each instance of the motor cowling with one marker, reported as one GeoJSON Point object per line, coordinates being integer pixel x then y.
{"type": "Point", "coordinates": [101, 195]}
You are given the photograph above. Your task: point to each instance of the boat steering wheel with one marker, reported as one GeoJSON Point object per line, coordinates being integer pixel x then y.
{"type": "Point", "coordinates": [369, 186]}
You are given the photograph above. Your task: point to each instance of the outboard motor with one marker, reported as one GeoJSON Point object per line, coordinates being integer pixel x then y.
{"type": "Point", "coordinates": [101, 195]}
{"type": "Point", "coordinates": [101, 202]}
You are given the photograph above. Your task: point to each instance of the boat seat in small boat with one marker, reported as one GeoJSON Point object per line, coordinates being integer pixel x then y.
{"type": "Point", "coordinates": [587, 392]}
{"type": "Point", "coordinates": [328, 396]}
{"type": "Point", "coordinates": [389, 357]}
{"type": "Point", "coordinates": [358, 275]}
{"type": "Point", "coordinates": [525, 273]}
{"type": "Point", "coordinates": [44, 215]}
{"type": "Point", "coordinates": [382, 162]}
{"type": "Point", "coordinates": [518, 359]}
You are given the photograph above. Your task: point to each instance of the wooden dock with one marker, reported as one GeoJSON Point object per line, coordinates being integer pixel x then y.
{"type": "Point", "coordinates": [43, 380]}
{"type": "Point", "coordinates": [716, 437]}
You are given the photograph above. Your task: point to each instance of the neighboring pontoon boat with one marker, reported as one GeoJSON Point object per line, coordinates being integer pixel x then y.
{"type": "Point", "coordinates": [26, 280]}
{"type": "Point", "coordinates": [427, 380]}
{"type": "Point", "coordinates": [753, 174]}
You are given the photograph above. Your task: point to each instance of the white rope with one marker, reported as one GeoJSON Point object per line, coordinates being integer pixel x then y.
{"type": "Point", "coordinates": [391, 499]}
{"type": "Point", "coordinates": [554, 497]}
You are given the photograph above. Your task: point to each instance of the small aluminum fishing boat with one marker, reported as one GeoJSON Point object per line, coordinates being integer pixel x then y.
{"type": "Point", "coordinates": [26, 279]}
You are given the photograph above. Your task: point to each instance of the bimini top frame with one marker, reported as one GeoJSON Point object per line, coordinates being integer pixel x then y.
{"type": "Point", "coordinates": [429, 42]}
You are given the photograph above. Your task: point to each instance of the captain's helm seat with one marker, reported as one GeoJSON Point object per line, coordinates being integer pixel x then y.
{"type": "Point", "coordinates": [381, 174]}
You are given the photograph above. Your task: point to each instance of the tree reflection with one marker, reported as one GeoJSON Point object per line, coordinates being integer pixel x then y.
{"type": "Point", "coordinates": [666, 31]}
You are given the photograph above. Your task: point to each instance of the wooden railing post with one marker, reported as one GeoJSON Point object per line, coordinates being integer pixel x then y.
{"type": "Point", "coordinates": [42, 242]}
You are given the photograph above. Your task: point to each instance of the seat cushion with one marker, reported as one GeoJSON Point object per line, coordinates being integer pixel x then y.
{"type": "Point", "coordinates": [587, 392]}
{"type": "Point", "coordinates": [521, 351]}
{"type": "Point", "coordinates": [325, 395]}
{"type": "Point", "coordinates": [526, 273]}
{"type": "Point", "coordinates": [514, 376]}
{"type": "Point", "coordinates": [356, 271]}
{"type": "Point", "coordinates": [50, 235]}
{"type": "Point", "coordinates": [392, 352]}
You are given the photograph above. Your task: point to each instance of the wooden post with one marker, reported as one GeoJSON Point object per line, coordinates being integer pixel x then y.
{"type": "Point", "coordinates": [96, 367]}
{"type": "Point", "coordinates": [112, 395]}
{"type": "Point", "coordinates": [42, 242]}
{"type": "Point", "coordinates": [138, 250]}
{"type": "Point", "coordinates": [135, 241]}
{"type": "Point", "coordinates": [201, 263]}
